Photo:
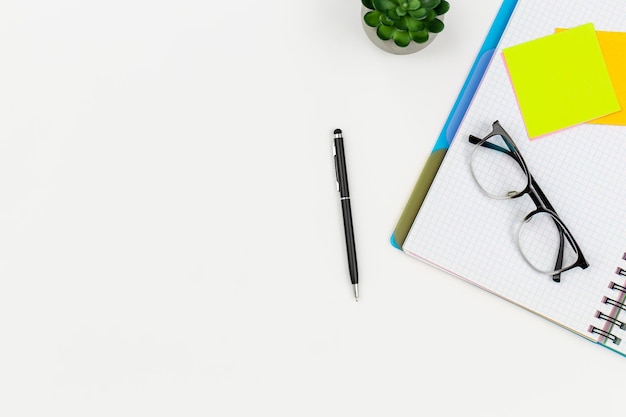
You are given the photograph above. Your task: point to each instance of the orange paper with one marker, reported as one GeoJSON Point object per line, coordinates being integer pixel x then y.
{"type": "Point", "coordinates": [613, 46]}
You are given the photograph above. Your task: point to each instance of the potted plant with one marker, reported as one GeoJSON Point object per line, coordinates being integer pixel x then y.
{"type": "Point", "coordinates": [403, 26]}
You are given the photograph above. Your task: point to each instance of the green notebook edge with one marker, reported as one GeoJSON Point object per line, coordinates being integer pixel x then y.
{"type": "Point", "coordinates": [416, 199]}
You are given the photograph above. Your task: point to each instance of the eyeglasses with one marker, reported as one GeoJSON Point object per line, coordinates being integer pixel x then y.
{"type": "Point", "coordinates": [544, 241]}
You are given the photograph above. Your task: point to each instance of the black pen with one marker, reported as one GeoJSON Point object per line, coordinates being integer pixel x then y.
{"type": "Point", "coordinates": [344, 197]}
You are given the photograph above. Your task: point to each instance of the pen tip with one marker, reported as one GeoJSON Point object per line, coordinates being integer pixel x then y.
{"type": "Point", "coordinates": [337, 131]}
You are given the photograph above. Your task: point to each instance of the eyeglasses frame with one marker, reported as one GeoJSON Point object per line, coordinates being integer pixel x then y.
{"type": "Point", "coordinates": [536, 194]}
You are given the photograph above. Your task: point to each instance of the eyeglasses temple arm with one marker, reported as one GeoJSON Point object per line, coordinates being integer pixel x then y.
{"type": "Point", "coordinates": [474, 140]}
{"type": "Point", "coordinates": [539, 198]}
{"type": "Point", "coordinates": [559, 258]}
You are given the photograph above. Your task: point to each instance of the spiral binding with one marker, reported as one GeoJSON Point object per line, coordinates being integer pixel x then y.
{"type": "Point", "coordinates": [610, 319]}
{"type": "Point", "coordinates": [615, 286]}
{"type": "Point", "coordinates": [608, 335]}
{"type": "Point", "coordinates": [612, 302]}
{"type": "Point", "coordinates": [618, 304]}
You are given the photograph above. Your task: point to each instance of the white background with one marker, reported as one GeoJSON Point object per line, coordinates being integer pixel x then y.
{"type": "Point", "coordinates": [171, 239]}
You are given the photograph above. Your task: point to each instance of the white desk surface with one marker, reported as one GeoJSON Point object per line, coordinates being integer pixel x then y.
{"type": "Point", "coordinates": [170, 235]}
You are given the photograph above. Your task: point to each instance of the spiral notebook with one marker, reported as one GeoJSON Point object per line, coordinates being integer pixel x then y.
{"type": "Point", "coordinates": [449, 223]}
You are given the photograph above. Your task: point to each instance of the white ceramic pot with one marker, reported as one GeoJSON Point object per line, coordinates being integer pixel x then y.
{"type": "Point", "coordinates": [390, 45]}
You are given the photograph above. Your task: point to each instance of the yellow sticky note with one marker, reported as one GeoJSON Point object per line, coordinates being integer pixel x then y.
{"type": "Point", "coordinates": [613, 46]}
{"type": "Point", "coordinates": [561, 80]}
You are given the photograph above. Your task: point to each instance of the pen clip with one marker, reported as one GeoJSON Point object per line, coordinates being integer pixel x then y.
{"type": "Point", "coordinates": [336, 166]}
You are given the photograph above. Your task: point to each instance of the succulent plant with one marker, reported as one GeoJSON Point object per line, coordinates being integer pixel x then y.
{"type": "Point", "coordinates": [405, 20]}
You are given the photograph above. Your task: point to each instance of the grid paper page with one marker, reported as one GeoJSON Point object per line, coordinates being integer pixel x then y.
{"type": "Point", "coordinates": [582, 171]}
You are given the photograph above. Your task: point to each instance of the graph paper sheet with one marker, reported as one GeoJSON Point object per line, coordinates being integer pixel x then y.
{"type": "Point", "coordinates": [582, 171]}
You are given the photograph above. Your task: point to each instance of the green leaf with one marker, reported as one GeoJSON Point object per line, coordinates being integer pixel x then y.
{"type": "Point", "coordinates": [420, 36]}
{"type": "Point", "coordinates": [418, 14]}
{"type": "Point", "coordinates": [430, 4]}
{"type": "Point", "coordinates": [385, 32]}
{"type": "Point", "coordinates": [372, 18]}
{"type": "Point", "coordinates": [401, 38]}
{"type": "Point", "coordinates": [414, 25]}
{"type": "Point", "coordinates": [435, 26]}
{"type": "Point", "coordinates": [386, 21]}
{"type": "Point", "coordinates": [400, 11]}
{"type": "Point", "coordinates": [368, 4]}
{"type": "Point", "coordinates": [431, 15]}
{"type": "Point", "coordinates": [402, 23]}
{"type": "Point", "coordinates": [383, 5]}
{"type": "Point", "coordinates": [414, 5]}
{"type": "Point", "coordinates": [443, 8]}
{"type": "Point", "coordinates": [391, 14]}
